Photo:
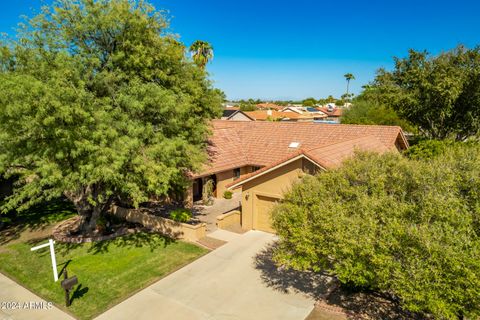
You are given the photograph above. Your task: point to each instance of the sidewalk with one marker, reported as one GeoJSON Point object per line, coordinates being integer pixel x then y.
{"type": "Point", "coordinates": [16, 302]}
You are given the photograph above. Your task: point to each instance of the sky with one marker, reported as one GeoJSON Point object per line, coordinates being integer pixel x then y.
{"type": "Point", "coordinates": [291, 50]}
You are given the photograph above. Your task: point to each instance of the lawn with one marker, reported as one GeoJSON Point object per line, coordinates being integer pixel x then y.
{"type": "Point", "coordinates": [108, 271]}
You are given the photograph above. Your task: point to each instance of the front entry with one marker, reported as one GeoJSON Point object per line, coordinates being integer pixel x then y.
{"type": "Point", "coordinates": [262, 209]}
{"type": "Point", "coordinates": [197, 189]}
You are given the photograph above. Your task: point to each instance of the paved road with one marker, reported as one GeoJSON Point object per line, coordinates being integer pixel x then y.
{"type": "Point", "coordinates": [223, 284]}
{"type": "Point", "coordinates": [19, 303]}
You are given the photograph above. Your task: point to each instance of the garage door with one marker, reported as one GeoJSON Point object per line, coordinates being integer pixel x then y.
{"type": "Point", "coordinates": [262, 218]}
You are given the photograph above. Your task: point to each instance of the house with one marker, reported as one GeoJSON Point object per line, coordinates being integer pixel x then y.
{"type": "Point", "coordinates": [333, 113]}
{"type": "Point", "coordinates": [268, 106]}
{"type": "Point", "coordinates": [262, 159]}
{"type": "Point", "coordinates": [306, 111]}
{"type": "Point", "coordinates": [273, 115]}
{"type": "Point", "coordinates": [236, 115]}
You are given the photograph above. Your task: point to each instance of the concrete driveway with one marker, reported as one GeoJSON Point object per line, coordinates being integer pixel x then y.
{"type": "Point", "coordinates": [224, 284]}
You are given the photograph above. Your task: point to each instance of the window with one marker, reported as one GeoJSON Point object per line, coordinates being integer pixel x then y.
{"type": "Point", "coordinates": [255, 168]}
{"type": "Point", "coordinates": [236, 173]}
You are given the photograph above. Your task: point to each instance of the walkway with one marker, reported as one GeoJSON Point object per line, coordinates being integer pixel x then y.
{"type": "Point", "coordinates": [208, 214]}
{"type": "Point", "coordinates": [19, 303]}
{"type": "Point", "coordinates": [224, 284]}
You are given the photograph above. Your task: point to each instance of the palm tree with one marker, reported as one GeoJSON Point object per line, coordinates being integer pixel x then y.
{"type": "Point", "coordinates": [202, 53]}
{"type": "Point", "coordinates": [348, 77]}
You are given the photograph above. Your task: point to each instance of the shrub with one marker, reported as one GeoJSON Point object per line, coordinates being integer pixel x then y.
{"type": "Point", "coordinates": [181, 215]}
{"type": "Point", "coordinates": [410, 228]}
{"type": "Point", "coordinates": [227, 194]}
{"type": "Point", "coordinates": [428, 149]}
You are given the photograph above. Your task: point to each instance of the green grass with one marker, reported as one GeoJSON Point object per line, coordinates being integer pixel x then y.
{"type": "Point", "coordinates": [108, 271]}
{"type": "Point", "coordinates": [40, 215]}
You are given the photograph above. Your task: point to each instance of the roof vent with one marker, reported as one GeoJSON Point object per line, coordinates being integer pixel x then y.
{"type": "Point", "coordinates": [294, 145]}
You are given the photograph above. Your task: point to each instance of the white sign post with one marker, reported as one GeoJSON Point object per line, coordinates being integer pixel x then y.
{"type": "Point", "coordinates": [52, 255]}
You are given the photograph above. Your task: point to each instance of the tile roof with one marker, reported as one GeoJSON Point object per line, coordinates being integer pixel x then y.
{"type": "Point", "coordinates": [327, 157]}
{"type": "Point", "coordinates": [264, 115]}
{"type": "Point", "coordinates": [269, 105]}
{"type": "Point", "coordinates": [331, 156]}
{"type": "Point", "coordinates": [228, 112]}
{"type": "Point", "coordinates": [263, 143]}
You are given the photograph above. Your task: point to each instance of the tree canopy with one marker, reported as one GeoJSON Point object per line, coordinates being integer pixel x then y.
{"type": "Point", "coordinates": [309, 102]}
{"type": "Point", "coordinates": [409, 228]}
{"type": "Point", "coordinates": [439, 94]}
{"type": "Point", "coordinates": [99, 102]}
{"type": "Point", "coordinates": [365, 111]}
{"type": "Point", "coordinates": [202, 53]}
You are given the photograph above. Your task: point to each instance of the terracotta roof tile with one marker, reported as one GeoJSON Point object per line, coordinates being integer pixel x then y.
{"type": "Point", "coordinates": [333, 155]}
{"type": "Point", "coordinates": [268, 105]}
{"type": "Point", "coordinates": [261, 143]}
{"type": "Point", "coordinates": [264, 115]}
{"type": "Point", "coordinates": [327, 157]}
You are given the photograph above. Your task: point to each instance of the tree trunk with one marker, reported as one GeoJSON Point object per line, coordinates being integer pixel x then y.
{"type": "Point", "coordinates": [88, 212]}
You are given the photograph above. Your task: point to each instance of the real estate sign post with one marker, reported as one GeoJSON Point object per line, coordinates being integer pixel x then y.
{"type": "Point", "coordinates": [52, 255]}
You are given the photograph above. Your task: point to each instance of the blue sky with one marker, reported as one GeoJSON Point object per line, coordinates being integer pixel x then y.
{"type": "Point", "coordinates": [296, 49]}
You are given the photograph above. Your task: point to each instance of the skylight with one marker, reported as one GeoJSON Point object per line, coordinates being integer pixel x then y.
{"type": "Point", "coordinates": [294, 145]}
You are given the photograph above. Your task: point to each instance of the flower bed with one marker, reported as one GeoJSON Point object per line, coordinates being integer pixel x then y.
{"type": "Point", "coordinates": [176, 230]}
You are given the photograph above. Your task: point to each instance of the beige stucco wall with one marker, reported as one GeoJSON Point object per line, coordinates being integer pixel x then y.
{"type": "Point", "coordinates": [167, 227]}
{"type": "Point", "coordinates": [226, 177]}
{"type": "Point", "coordinates": [273, 184]}
{"type": "Point", "coordinates": [228, 219]}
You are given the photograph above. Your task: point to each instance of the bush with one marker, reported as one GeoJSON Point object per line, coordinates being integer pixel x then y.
{"type": "Point", "coordinates": [428, 149]}
{"type": "Point", "coordinates": [181, 215]}
{"type": "Point", "coordinates": [388, 223]}
{"type": "Point", "coordinates": [227, 194]}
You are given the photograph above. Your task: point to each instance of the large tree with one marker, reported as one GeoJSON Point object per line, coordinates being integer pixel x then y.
{"type": "Point", "coordinates": [371, 112]}
{"type": "Point", "coordinates": [440, 94]}
{"type": "Point", "coordinates": [99, 102]}
{"type": "Point", "coordinates": [309, 102]}
{"type": "Point", "coordinates": [409, 228]}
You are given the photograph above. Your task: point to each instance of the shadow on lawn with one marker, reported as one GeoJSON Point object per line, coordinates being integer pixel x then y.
{"type": "Point", "coordinates": [35, 219]}
{"type": "Point", "coordinates": [78, 293]}
{"type": "Point", "coordinates": [356, 304]}
{"type": "Point", "coordinates": [138, 239]}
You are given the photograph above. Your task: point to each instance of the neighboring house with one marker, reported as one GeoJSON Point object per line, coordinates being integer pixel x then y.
{"type": "Point", "coordinates": [306, 111]}
{"type": "Point", "coordinates": [272, 115]}
{"type": "Point", "coordinates": [229, 104]}
{"type": "Point", "coordinates": [263, 159]}
{"type": "Point", "coordinates": [333, 113]}
{"type": "Point", "coordinates": [236, 115]}
{"type": "Point", "coordinates": [268, 106]}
